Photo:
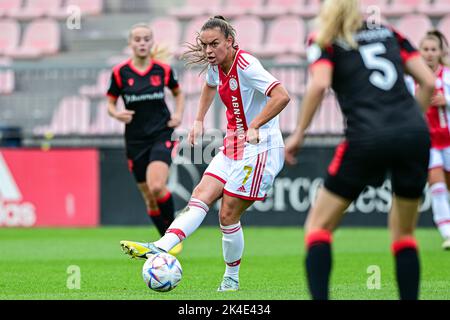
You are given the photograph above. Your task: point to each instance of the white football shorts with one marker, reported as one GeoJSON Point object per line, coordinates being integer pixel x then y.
{"type": "Point", "coordinates": [250, 178]}
{"type": "Point", "coordinates": [439, 159]}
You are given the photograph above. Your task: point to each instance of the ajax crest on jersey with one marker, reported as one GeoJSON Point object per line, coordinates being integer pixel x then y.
{"type": "Point", "coordinates": [162, 272]}
{"type": "Point", "coordinates": [233, 84]}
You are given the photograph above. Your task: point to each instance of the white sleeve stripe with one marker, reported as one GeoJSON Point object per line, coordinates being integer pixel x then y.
{"type": "Point", "coordinates": [271, 87]}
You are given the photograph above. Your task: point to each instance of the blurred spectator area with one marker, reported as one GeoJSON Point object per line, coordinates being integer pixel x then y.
{"type": "Point", "coordinates": [56, 55]}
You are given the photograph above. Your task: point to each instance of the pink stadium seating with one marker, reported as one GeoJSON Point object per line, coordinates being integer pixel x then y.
{"type": "Point", "coordinates": [42, 37]}
{"type": "Point", "coordinates": [309, 9]}
{"type": "Point", "coordinates": [288, 59]}
{"type": "Point", "coordinates": [275, 8]}
{"type": "Point", "coordinates": [249, 33]}
{"type": "Point", "coordinates": [190, 33]}
{"type": "Point", "coordinates": [293, 79]}
{"type": "Point", "coordinates": [286, 35]}
{"type": "Point", "coordinates": [103, 123]}
{"type": "Point", "coordinates": [234, 8]}
{"type": "Point", "coordinates": [193, 8]}
{"type": "Point", "coordinates": [289, 115]}
{"type": "Point", "coordinates": [437, 8]}
{"type": "Point", "coordinates": [328, 119]}
{"type": "Point", "coordinates": [381, 4]}
{"type": "Point", "coordinates": [87, 7]}
{"type": "Point", "coordinates": [71, 117]}
{"type": "Point", "coordinates": [99, 88]}
{"type": "Point", "coordinates": [36, 9]}
{"type": "Point", "coordinates": [414, 27]}
{"type": "Point", "coordinates": [167, 32]}
{"type": "Point", "coordinates": [7, 77]}
{"type": "Point", "coordinates": [6, 6]}
{"type": "Point", "coordinates": [191, 82]}
{"type": "Point", "coordinates": [402, 7]}
{"type": "Point", "coordinates": [9, 37]}
{"type": "Point", "coordinates": [444, 26]}
{"type": "Point", "coordinates": [190, 112]}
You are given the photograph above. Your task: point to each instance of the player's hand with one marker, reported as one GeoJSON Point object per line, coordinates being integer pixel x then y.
{"type": "Point", "coordinates": [252, 136]}
{"type": "Point", "coordinates": [196, 132]}
{"type": "Point", "coordinates": [175, 121]}
{"type": "Point", "coordinates": [292, 147]}
{"type": "Point", "coordinates": [438, 100]}
{"type": "Point", "coordinates": [124, 116]}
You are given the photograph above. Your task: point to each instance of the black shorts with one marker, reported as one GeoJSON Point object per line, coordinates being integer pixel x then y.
{"type": "Point", "coordinates": [140, 156]}
{"type": "Point", "coordinates": [357, 164]}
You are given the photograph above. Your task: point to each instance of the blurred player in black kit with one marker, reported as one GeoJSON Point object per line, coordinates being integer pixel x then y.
{"type": "Point", "coordinates": [140, 81]}
{"type": "Point", "coordinates": [386, 134]}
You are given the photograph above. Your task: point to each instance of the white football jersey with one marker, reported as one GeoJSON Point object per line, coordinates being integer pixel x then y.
{"type": "Point", "coordinates": [245, 91]}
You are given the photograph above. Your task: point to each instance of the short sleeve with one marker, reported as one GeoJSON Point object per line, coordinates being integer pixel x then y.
{"type": "Point", "coordinates": [173, 80]}
{"type": "Point", "coordinates": [257, 76]}
{"type": "Point", "coordinates": [113, 90]}
{"type": "Point", "coordinates": [212, 76]}
{"type": "Point", "coordinates": [315, 54]}
{"type": "Point", "coordinates": [407, 50]}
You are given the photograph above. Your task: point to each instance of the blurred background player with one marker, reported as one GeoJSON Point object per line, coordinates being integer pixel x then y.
{"type": "Point", "coordinates": [253, 153]}
{"type": "Point", "coordinates": [140, 81]}
{"type": "Point", "coordinates": [385, 133]}
{"type": "Point", "coordinates": [433, 49]}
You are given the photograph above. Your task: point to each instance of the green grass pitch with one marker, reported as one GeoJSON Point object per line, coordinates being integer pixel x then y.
{"type": "Point", "coordinates": [34, 264]}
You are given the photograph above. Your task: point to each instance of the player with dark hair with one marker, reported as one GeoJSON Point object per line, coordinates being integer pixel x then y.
{"type": "Point", "coordinates": [386, 134]}
{"type": "Point", "coordinates": [253, 152]}
{"type": "Point", "coordinates": [140, 81]}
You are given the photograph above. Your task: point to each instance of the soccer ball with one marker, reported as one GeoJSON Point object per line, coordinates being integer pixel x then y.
{"type": "Point", "coordinates": [162, 272]}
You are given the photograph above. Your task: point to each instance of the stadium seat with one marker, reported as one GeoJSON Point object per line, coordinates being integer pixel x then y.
{"type": "Point", "coordinates": [288, 59]}
{"type": "Point", "coordinates": [190, 33]}
{"type": "Point", "coordinates": [9, 37]}
{"type": "Point", "coordinates": [444, 26]}
{"type": "Point", "coordinates": [36, 9]}
{"type": "Point", "coordinates": [167, 33]}
{"type": "Point", "coordinates": [234, 8]}
{"type": "Point", "coordinates": [289, 115]}
{"type": "Point", "coordinates": [100, 88]}
{"type": "Point", "coordinates": [309, 9]}
{"type": "Point", "coordinates": [194, 8]}
{"type": "Point", "coordinates": [286, 35]}
{"type": "Point", "coordinates": [249, 33]}
{"type": "Point", "coordinates": [42, 37]}
{"type": "Point", "coordinates": [87, 7]}
{"type": "Point", "coordinates": [191, 82]}
{"type": "Point", "coordinates": [275, 8]}
{"type": "Point", "coordinates": [414, 27]}
{"type": "Point", "coordinates": [6, 6]}
{"type": "Point", "coordinates": [71, 117]}
{"type": "Point", "coordinates": [381, 4]}
{"type": "Point", "coordinates": [103, 123]}
{"type": "Point", "coordinates": [328, 118]}
{"type": "Point", "coordinates": [7, 77]}
{"type": "Point", "coordinates": [437, 8]}
{"type": "Point", "coordinates": [402, 7]}
{"type": "Point", "coordinates": [293, 79]}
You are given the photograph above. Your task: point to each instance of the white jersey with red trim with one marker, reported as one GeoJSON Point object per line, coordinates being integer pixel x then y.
{"type": "Point", "coordinates": [245, 92]}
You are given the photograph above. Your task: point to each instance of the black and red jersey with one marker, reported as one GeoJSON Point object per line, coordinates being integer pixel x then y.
{"type": "Point", "coordinates": [369, 81]}
{"type": "Point", "coordinates": [143, 92]}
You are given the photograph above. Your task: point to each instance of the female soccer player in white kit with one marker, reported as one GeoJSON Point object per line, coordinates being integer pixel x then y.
{"type": "Point", "coordinates": [253, 152]}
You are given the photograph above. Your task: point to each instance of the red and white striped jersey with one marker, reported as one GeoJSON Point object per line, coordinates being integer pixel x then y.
{"type": "Point", "coordinates": [438, 117]}
{"type": "Point", "coordinates": [245, 91]}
